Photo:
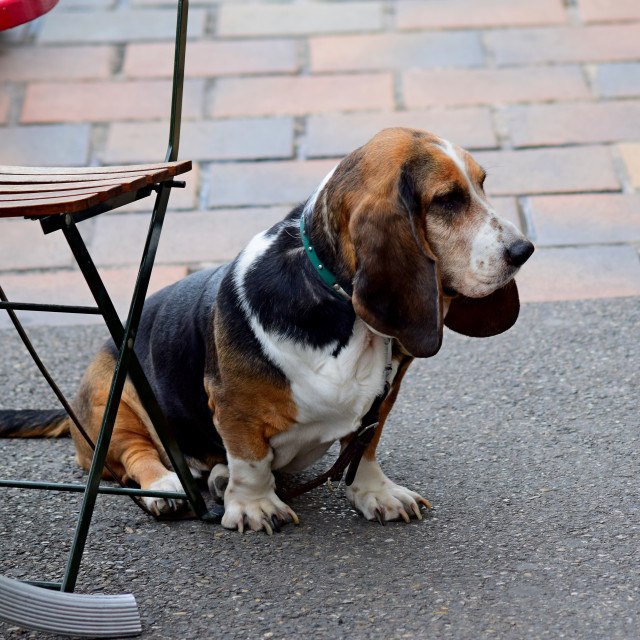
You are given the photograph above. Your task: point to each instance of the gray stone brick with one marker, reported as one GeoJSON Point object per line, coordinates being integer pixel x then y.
{"type": "Point", "coordinates": [233, 139]}
{"type": "Point", "coordinates": [619, 80]}
{"type": "Point", "coordinates": [338, 134]}
{"type": "Point", "coordinates": [123, 25]}
{"type": "Point", "coordinates": [575, 122]}
{"type": "Point", "coordinates": [586, 218]}
{"type": "Point", "coordinates": [596, 43]}
{"type": "Point", "coordinates": [265, 183]}
{"type": "Point", "coordinates": [296, 19]}
{"type": "Point", "coordinates": [564, 170]}
{"type": "Point", "coordinates": [24, 246]}
{"type": "Point", "coordinates": [45, 145]}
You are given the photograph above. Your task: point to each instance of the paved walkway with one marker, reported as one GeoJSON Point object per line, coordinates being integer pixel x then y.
{"type": "Point", "coordinates": [545, 93]}
{"type": "Point", "coordinates": [526, 444]}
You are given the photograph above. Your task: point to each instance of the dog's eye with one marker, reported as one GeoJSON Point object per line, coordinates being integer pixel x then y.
{"type": "Point", "coordinates": [450, 202]}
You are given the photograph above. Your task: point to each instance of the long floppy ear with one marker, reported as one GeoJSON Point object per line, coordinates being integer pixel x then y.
{"type": "Point", "coordinates": [484, 317]}
{"type": "Point", "coordinates": [396, 288]}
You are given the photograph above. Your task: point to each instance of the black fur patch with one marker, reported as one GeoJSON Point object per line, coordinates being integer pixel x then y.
{"type": "Point", "coordinates": [230, 313]}
{"type": "Point", "coordinates": [288, 296]}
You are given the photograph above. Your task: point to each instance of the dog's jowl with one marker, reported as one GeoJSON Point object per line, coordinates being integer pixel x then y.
{"type": "Point", "coordinates": [261, 364]}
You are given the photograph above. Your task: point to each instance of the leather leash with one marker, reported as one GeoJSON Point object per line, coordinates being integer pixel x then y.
{"type": "Point", "coordinates": [350, 457]}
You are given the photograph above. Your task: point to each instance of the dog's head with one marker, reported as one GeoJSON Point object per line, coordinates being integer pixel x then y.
{"type": "Point", "coordinates": [412, 227]}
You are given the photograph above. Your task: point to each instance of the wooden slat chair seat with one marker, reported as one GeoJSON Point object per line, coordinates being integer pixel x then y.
{"type": "Point", "coordinates": [42, 191]}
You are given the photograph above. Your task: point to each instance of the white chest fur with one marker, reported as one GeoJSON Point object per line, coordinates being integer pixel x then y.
{"type": "Point", "coordinates": [332, 393]}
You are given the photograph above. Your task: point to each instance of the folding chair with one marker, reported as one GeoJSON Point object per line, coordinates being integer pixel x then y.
{"type": "Point", "coordinates": [60, 198]}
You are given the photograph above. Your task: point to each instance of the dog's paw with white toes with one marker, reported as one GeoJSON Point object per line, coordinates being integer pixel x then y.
{"type": "Point", "coordinates": [161, 506]}
{"type": "Point", "coordinates": [267, 513]}
{"type": "Point", "coordinates": [377, 498]}
{"type": "Point", "coordinates": [387, 503]}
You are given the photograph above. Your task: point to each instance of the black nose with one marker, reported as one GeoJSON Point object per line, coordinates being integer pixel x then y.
{"type": "Point", "coordinates": [519, 252]}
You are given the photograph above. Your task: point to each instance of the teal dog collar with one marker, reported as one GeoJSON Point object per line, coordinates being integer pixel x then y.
{"type": "Point", "coordinates": [327, 277]}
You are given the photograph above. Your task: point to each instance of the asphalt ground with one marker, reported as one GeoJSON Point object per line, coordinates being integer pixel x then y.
{"type": "Point", "coordinates": [526, 444]}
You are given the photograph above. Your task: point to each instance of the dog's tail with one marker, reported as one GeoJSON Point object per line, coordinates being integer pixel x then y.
{"type": "Point", "coordinates": [33, 424]}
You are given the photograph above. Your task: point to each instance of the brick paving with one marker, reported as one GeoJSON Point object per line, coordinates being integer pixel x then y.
{"type": "Point", "coordinates": [536, 125]}
{"type": "Point", "coordinates": [493, 86]}
{"type": "Point", "coordinates": [106, 101]}
{"type": "Point", "coordinates": [306, 18]}
{"type": "Point", "coordinates": [546, 93]}
{"type": "Point", "coordinates": [51, 144]}
{"type": "Point", "coordinates": [454, 14]}
{"type": "Point", "coordinates": [577, 44]}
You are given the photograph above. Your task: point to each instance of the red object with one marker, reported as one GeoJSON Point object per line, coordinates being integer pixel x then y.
{"type": "Point", "coordinates": [16, 12]}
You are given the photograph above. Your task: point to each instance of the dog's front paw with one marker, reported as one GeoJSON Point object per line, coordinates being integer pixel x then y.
{"type": "Point", "coordinates": [161, 506]}
{"type": "Point", "coordinates": [388, 503]}
{"type": "Point", "coordinates": [377, 498]}
{"type": "Point", "coordinates": [250, 498]}
{"type": "Point", "coordinates": [267, 512]}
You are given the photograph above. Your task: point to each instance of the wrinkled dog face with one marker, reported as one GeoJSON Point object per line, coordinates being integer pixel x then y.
{"type": "Point", "coordinates": [477, 251]}
{"type": "Point", "coordinates": [440, 186]}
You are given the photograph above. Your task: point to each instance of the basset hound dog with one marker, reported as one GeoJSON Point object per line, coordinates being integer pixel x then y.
{"type": "Point", "coordinates": [261, 364]}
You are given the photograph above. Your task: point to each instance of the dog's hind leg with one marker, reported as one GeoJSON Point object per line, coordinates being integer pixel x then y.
{"type": "Point", "coordinates": [135, 452]}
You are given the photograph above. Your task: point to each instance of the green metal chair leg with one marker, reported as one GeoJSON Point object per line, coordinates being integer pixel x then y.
{"type": "Point", "coordinates": [127, 363]}
{"type": "Point", "coordinates": [99, 458]}
{"type": "Point", "coordinates": [125, 351]}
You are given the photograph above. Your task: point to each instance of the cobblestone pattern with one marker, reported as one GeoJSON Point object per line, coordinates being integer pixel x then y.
{"type": "Point", "coordinates": [546, 94]}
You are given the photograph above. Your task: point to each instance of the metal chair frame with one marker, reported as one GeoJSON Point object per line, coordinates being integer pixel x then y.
{"type": "Point", "coordinates": [124, 337]}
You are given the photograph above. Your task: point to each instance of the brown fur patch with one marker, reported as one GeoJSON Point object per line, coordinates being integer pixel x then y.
{"type": "Point", "coordinates": [249, 406]}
